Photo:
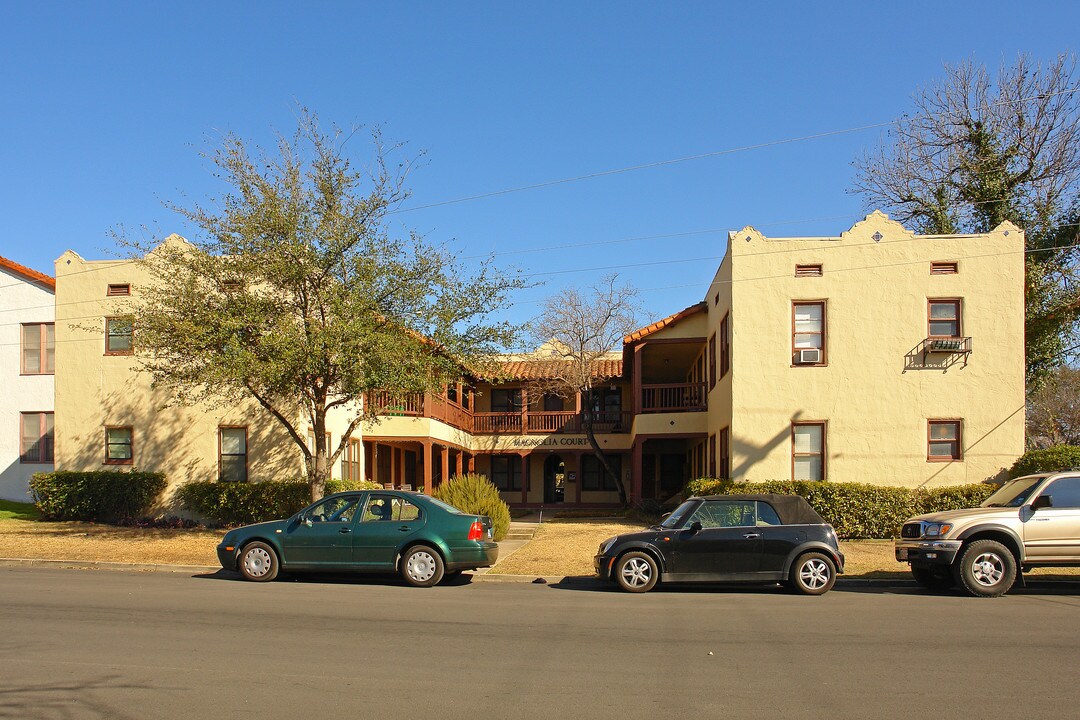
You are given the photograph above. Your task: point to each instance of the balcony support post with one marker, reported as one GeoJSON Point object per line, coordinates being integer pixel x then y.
{"type": "Point", "coordinates": [429, 481]}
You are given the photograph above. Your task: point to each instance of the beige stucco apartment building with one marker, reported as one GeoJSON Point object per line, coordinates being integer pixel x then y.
{"type": "Point", "coordinates": [877, 356]}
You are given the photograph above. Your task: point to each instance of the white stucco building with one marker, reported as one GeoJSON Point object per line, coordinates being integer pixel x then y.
{"type": "Point", "coordinates": [27, 362]}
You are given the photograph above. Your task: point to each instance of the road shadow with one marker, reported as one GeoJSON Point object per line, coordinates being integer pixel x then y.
{"type": "Point", "coordinates": [329, 578]}
{"type": "Point", "coordinates": [68, 699]}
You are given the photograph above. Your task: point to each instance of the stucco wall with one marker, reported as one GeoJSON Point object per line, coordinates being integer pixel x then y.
{"type": "Point", "coordinates": [875, 404]}
{"type": "Point", "coordinates": [94, 390]}
{"type": "Point", "coordinates": [21, 301]}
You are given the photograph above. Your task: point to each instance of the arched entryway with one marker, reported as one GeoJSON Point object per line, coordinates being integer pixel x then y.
{"type": "Point", "coordinates": [554, 480]}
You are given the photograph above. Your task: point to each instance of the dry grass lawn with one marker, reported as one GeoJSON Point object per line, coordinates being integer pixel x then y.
{"type": "Point", "coordinates": [107, 543]}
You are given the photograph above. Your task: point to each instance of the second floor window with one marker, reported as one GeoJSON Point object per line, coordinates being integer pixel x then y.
{"type": "Point", "coordinates": [506, 400]}
{"type": "Point", "coordinates": [119, 334]}
{"type": "Point", "coordinates": [38, 349]}
{"type": "Point", "coordinates": [808, 333]}
{"type": "Point", "coordinates": [944, 318]}
{"type": "Point", "coordinates": [725, 345]}
{"type": "Point", "coordinates": [712, 362]}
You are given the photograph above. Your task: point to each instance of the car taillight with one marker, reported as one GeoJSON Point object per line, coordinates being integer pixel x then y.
{"type": "Point", "coordinates": [476, 532]}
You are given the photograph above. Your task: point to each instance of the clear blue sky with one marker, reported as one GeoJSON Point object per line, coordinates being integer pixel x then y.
{"type": "Point", "coordinates": [106, 105]}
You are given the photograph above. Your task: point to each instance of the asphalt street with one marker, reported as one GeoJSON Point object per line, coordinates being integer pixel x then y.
{"type": "Point", "coordinates": [101, 644]}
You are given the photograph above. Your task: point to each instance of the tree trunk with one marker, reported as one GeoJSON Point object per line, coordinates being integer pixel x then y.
{"type": "Point", "coordinates": [587, 417]}
{"type": "Point", "coordinates": [318, 472]}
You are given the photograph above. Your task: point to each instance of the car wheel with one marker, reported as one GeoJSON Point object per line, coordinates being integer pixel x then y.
{"type": "Point", "coordinates": [986, 568]}
{"type": "Point", "coordinates": [637, 572]}
{"type": "Point", "coordinates": [813, 574]}
{"type": "Point", "coordinates": [932, 578]}
{"type": "Point", "coordinates": [258, 562]}
{"type": "Point", "coordinates": [422, 567]}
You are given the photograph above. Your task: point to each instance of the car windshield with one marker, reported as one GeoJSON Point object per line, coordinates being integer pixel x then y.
{"type": "Point", "coordinates": [1013, 493]}
{"type": "Point", "coordinates": [677, 516]}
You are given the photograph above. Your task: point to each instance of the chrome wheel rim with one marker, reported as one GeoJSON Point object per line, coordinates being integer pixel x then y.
{"type": "Point", "coordinates": [814, 573]}
{"type": "Point", "coordinates": [636, 572]}
{"type": "Point", "coordinates": [988, 569]}
{"type": "Point", "coordinates": [421, 566]}
{"type": "Point", "coordinates": [257, 562]}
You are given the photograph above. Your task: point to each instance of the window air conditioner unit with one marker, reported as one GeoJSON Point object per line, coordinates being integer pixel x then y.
{"type": "Point", "coordinates": [808, 357]}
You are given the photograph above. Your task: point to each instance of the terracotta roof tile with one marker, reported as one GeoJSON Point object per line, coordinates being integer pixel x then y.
{"type": "Point", "coordinates": [27, 273]}
{"type": "Point", "coordinates": [540, 369]}
{"type": "Point", "coordinates": [661, 324]}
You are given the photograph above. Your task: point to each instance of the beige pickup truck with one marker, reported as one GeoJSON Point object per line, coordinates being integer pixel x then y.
{"type": "Point", "coordinates": [1032, 521]}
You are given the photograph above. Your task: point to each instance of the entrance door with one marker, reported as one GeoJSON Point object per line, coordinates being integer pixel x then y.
{"type": "Point", "coordinates": [554, 480]}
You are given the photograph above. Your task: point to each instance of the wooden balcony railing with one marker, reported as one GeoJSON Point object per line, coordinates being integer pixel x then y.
{"type": "Point", "coordinates": [496, 423]}
{"type": "Point", "coordinates": [675, 397]}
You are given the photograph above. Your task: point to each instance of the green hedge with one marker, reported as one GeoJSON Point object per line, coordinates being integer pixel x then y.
{"type": "Point", "coordinates": [238, 503]}
{"type": "Point", "coordinates": [1056, 457]}
{"type": "Point", "coordinates": [476, 495]}
{"type": "Point", "coordinates": [104, 495]}
{"type": "Point", "coordinates": [857, 510]}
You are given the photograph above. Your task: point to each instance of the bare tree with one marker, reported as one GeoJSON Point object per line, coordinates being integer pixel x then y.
{"type": "Point", "coordinates": [977, 151]}
{"type": "Point", "coordinates": [584, 328]}
{"type": "Point", "coordinates": [1053, 412]}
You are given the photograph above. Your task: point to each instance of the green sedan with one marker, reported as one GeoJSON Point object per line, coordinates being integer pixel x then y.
{"type": "Point", "coordinates": [380, 531]}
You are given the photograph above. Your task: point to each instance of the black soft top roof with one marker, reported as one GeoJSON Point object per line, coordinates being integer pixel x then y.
{"type": "Point", "coordinates": [792, 509]}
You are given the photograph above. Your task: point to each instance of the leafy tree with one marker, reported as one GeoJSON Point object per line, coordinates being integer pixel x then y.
{"type": "Point", "coordinates": [297, 294]}
{"type": "Point", "coordinates": [582, 329]}
{"type": "Point", "coordinates": [976, 152]}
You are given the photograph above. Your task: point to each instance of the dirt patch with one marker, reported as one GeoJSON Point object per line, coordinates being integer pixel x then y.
{"type": "Point", "coordinates": [107, 543]}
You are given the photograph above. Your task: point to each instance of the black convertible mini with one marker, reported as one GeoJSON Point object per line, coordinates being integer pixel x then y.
{"type": "Point", "coordinates": [728, 538]}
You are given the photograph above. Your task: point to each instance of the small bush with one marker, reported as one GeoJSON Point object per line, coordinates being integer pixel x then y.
{"type": "Point", "coordinates": [1057, 457]}
{"type": "Point", "coordinates": [857, 510]}
{"type": "Point", "coordinates": [103, 495]}
{"type": "Point", "coordinates": [228, 503]}
{"type": "Point", "coordinates": [476, 495]}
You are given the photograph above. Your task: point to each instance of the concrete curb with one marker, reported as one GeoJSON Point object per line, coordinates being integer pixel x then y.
{"type": "Point", "coordinates": [98, 565]}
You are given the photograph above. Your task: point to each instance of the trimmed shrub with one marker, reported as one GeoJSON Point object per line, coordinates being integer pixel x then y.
{"type": "Point", "coordinates": [856, 510]}
{"type": "Point", "coordinates": [476, 495]}
{"type": "Point", "coordinates": [1051, 459]}
{"type": "Point", "coordinates": [238, 503]}
{"type": "Point", "coordinates": [104, 495]}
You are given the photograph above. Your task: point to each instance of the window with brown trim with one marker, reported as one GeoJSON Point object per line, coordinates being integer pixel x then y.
{"type": "Point", "coordinates": [808, 451]}
{"type": "Point", "coordinates": [232, 454]}
{"type": "Point", "coordinates": [118, 289]}
{"type": "Point", "coordinates": [506, 472]}
{"type": "Point", "coordinates": [808, 333]}
{"type": "Point", "coordinates": [725, 454]}
{"type": "Point", "coordinates": [944, 268]}
{"type": "Point", "coordinates": [593, 476]}
{"type": "Point", "coordinates": [712, 361]}
{"type": "Point", "coordinates": [119, 336]}
{"type": "Point", "coordinates": [943, 440]}
{"type": "Point", "coordinates": [36, 437]}
{"type": "Point", "coordinates": [119, 445]}
{"type": "Point", "coordinates": [716, 299]}
{"type": "Point", "coordinates": [944, 318]}
{"type": "Point", "coordinates": [712, 456]}
{"type": "Point", "coordinates": [725, 345]}
{"type": "Point", "coordinates": [350, 460]}
{"type": "Point", "coordinates": [808, 270]}
{"type": "Point", "coordinates": [38, 349]}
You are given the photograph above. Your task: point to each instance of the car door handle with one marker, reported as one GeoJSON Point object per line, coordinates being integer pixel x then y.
{"type": "Point", "coordinates": [404, 528]}
{"type": "Point", "coordinates": [345, 531]}
{"type": "Point", "coordinates": [751, 536]}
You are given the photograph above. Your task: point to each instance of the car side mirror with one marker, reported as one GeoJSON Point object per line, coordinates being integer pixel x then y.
{"type": "Point", "coordinates": [1042, 501]}
{"type": "Point", "coordinates": [695, 526]}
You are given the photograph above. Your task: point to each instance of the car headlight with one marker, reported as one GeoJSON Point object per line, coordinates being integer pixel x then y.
{"type": "Point", "coordinates": [606, 545]}
{"type": "Point", "coordinates": [936, 530]}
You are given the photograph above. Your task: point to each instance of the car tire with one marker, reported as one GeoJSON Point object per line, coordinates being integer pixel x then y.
{"type": "Point", "coordinates": [986, 568]}
{"type": "Point", "coordinates": [422, 566]}
{"type": "Point", "coordinates": [637, 572]}
{"type": "Point", "coordinates": [933, 578]}
{"type": "Point", "coordinates": [813, 573]}
{"type": "Point", "coordinates": [258, 562]}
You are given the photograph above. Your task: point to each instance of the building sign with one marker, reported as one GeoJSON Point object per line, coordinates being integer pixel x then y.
{"type": "Point", "coordinates": [550, 441]}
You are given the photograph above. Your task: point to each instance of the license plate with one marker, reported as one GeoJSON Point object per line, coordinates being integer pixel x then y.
{"type": "Point", "coordinates": [901, 553]}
